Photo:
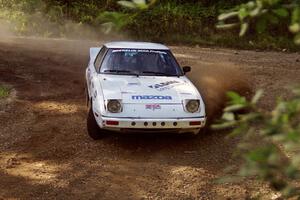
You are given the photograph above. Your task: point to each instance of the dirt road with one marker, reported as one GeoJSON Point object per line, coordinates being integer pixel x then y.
{"type": "Point", "coordinates": [45, 152]}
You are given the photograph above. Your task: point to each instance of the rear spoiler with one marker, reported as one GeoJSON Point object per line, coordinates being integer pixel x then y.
{"type": "Point", "coordinates": [94, 52]}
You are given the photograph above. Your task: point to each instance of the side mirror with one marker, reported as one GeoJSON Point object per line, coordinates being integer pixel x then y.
{"type": "Point", "coordinates": [186, 69]}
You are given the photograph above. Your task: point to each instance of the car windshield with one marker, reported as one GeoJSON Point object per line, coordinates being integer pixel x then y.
{"type": "Point", "coordinates": [141, 62]}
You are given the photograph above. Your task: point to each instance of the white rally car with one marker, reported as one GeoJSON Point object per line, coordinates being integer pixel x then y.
{"type": "Point", "coordinates": [138, 86]}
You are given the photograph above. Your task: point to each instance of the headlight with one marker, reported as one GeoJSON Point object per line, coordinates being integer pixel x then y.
{"type": "Point", "coordinates": [114, 106]}
{"type": "Point", "coordinates": [192, 106]}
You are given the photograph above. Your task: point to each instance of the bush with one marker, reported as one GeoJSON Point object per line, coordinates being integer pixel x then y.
{"type": "Point", "coordinates": [270, 146]}
{"type": "Point", "coordinates": [167, 19]}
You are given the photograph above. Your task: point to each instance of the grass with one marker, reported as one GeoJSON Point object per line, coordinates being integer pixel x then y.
{"type": "Point", "coordinates": [4, 91]}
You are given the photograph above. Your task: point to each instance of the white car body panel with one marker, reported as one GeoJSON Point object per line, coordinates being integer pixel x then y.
{"type": "Point", "coordinates": [149, 102]}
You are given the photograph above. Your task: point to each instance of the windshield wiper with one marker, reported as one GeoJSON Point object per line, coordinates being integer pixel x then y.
{"type": "Point", "coordinates": [157, 73]}
{"type": "Point", "coordinates": [120, 71]}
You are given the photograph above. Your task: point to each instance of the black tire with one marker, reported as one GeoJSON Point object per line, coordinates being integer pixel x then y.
{"type": "Point", "coordinates": [93, 129]}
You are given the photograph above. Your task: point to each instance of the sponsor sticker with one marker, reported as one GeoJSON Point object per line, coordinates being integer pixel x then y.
{"type": "Point", "coordinates": [138, 51]}
{"type": "Point", "coordinates": [165, 85]}
{"type": "Point", "coordinates": [151, 97]}
{"type": "Point", "coordinates": [153, 107]}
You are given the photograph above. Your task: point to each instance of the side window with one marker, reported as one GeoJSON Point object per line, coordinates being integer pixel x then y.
{"type": "Point", "coordinates": [99, 58]}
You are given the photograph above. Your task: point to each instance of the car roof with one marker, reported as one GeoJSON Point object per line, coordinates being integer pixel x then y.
{"type": "Point", "coordinates": [135, 45]}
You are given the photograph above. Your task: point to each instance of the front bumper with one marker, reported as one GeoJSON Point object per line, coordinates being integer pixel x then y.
{"type": "Point", "coordinates": [161, 125]}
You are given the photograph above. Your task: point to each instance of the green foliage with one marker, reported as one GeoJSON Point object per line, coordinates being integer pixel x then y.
{"type": "Point", "coordinates": [263, 13]}
{"type": "Point", "coordinates": [270, 144]}
{"type": "Point", "coordinates": [168, 19]}
{"type": "Point", "coordinates": [193, 23]}
{"type": "Point", "coordinates": [4, 91]}
{"type": "Point", "coordinates": [30, 17]}
{"type": "Point", "coordinates": [177, 21]}
{"type": "Point", "coordinates": [113, 21]}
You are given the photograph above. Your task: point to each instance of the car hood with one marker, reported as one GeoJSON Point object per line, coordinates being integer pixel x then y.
{"type": "Point", "coordinates": [148, 89]}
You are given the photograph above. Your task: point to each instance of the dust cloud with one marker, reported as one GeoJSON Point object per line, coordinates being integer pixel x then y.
{"type": "Point", "coordinates": [6, 33]}
{"type": "Point", "coordinates": [40, 25]}
{"type": "Point", "coordinates": [214, 82]}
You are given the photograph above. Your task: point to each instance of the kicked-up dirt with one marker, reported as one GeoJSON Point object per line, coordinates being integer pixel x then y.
{"type": "Point", "coordinates": [45, 152]}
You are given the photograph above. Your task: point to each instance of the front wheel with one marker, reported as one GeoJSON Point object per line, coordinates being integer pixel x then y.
{"type": "Point", "coordinates": [92, 127]}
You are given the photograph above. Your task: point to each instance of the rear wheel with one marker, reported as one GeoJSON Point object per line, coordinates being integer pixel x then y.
{"type": "Point", "coordinates": [93, 129]}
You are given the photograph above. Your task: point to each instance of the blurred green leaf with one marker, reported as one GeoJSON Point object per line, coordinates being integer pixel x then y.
{"type": "Point", "coordinates": [234, 108]}
{"type": "Point", "coordinates": [296, 15]}
{"type": "Point", "coordinates": [127, 4]}
{"type": "Point", "coordinates": [250, 116]}
{"type": "Point", "coordinates": [227, 26]}
{"type": "Point", "coordinates": [251, 5]}
{"type": "Point", "coordinates": [282, 12]}
{"type": "Point", "coordinates": [242, 128]}
{"type": "Point", "coordinates": [295, 28]}
{"type": "Point", "coordinates": [225, 16]}
{"type": "Point", "coordinates": [141, 4]}
{"type": "Point", "coordinates": [260, 154]}
{"type": "Point", "coordinates": [244, 28]}
{"type": "Point", "coordinates": [137, 4]}
{"type": "Point", "coordinates": [243, 13]}
{"type": "Point", "coordinates": [255, 12]}
{"type": "Point", "coordinates": [297, 39]}
{"type": "Point", "coordinates": [235, 98]}
{"type": "Point", "coordinates": [257, 96]}
{"type": "Point", "coordinates": [228, 116]}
